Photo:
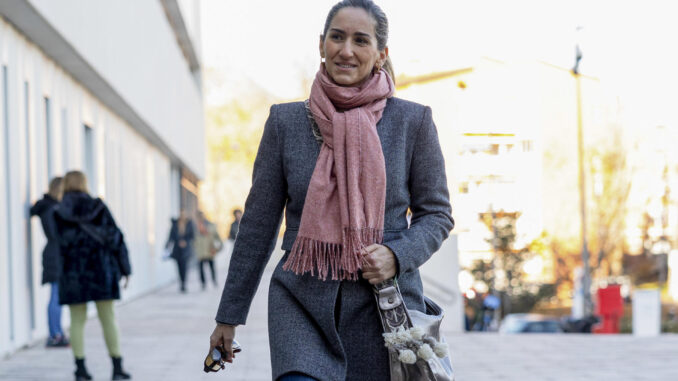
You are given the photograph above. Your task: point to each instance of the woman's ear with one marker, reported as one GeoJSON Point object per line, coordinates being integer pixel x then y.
{"type": "Point", "coordinates": [382, 57]}
{"type": "Point", "coordinates": [321, 48]}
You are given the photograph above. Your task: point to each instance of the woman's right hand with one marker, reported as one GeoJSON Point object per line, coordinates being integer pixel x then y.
{"type": "Point", "coordinates": [223, 336]}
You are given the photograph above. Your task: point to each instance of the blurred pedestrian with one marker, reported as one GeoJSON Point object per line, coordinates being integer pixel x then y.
{"type": "Point", "coordinates": [180, 241]}
{"type": "Point", "coordinates": [491, 305]}
{"type": "Point", "coordinates": [345, 186]}
{"type": "Point", "coordinates": [235, 226]}
{"type": "Point", "coordinates": [94, 260]}
{"type": "Point", "coordinates": [469, 314]}
{"type": "Point", "coordinates": [206, 245]}
{"type": "Point", "coordinates": [51, 261]}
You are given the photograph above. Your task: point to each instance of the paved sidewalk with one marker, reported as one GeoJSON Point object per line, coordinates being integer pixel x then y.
{"type": "Point", "coordinates": [165, 337]}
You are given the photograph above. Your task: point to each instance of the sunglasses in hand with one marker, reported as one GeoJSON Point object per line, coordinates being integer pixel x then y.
{"type": "Point", "coordinates": [215, 360]}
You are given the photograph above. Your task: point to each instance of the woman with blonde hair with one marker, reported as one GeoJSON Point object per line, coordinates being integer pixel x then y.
{"type": "Point", "coordinates": [95, 259]}
{"type": "Point", "coordinates": [51, 261]}
{"type": "Point", "coordinates": [344, 166]}
{"type": "Point", "coordinates": [206, 246]}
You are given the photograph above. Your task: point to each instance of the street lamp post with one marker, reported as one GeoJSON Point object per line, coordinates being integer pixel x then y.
{"type": "Point", "coordinates": [586, 278]}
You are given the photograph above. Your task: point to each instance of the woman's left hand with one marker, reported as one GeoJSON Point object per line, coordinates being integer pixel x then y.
{"type": "Point", "coordinates": [379, 264]}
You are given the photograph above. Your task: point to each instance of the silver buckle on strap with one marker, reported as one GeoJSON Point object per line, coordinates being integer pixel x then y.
{"type": "Point", "coordinates": [389, 298]}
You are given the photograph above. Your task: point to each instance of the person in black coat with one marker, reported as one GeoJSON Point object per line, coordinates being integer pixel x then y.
{"type": "Point", "coordinates": [51, 261]}
{"type": "Point", "coordinates": [94, 260]}
{"type": "Point", "coordinates": [180, 241]}
{"type": "Point", "coordinates": [235, 226]}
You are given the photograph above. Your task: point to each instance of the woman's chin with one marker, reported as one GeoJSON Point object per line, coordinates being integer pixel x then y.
{"type": "Point", "coordinates": [346, 80]}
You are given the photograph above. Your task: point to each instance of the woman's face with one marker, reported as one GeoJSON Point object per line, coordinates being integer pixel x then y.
{"type": "Point", "coordinates": [350, 47]}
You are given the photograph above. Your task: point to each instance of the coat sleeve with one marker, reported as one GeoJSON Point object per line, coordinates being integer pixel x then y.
{"type": "Point", "coordinates": [117, 243]}
{"type": "Point", "coordinates": [429, 201]}
{"type": "Point", "coordinates": [34, 209]}
{"type": "Point", "coordinates": [258, 230]}
{"type": "Point", "coordinates": [49, 223]}
{"type": "Point", "coordinates": [232, 232]}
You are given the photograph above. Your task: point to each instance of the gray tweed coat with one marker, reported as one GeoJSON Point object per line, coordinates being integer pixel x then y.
{"type": "Point", "coordinates": [331, 330]}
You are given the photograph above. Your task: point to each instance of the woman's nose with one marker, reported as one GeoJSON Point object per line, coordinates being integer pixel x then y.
{"type": "Point", "coordinates": [346, 51]}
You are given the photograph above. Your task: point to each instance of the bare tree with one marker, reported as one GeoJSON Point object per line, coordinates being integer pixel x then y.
{"type": "Point", "coordinates": [611, 187]}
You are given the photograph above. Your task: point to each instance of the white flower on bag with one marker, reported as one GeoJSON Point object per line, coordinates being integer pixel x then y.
{"type": "Point", "coordinates": [417, 332]}
{"type": "Point", "coordinates": [403, 336]}
{"type": "Point", "coordinates": [407, 356]}
{"type": "Point", "coordinates": [390, 338]}
{"type": "Point", "coordinates": [412, 343]}
{"type": "Point", "coordinates": [425, 352]}
{"type": "Point", "coordinates": [441, 350]}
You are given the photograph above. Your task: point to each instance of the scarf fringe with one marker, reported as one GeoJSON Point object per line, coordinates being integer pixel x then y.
{"type": "Point", "coordinates": [341, 260]}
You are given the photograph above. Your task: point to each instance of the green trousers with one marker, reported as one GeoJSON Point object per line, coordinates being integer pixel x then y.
{"type": "Point", "coordinates": [107, 319]}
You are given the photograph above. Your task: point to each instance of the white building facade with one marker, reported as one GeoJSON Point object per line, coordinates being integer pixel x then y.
{"type": "Point", "coordinates": [112, 88]}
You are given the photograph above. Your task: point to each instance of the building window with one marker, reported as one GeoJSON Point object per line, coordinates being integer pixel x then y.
{"type": "Point", "coordinates": [48, 139]}
{"type": "Point", "coordinates": [527, 145]}
{"type": "Point", "coordinates": [29, 231]}
{"type": "Point", "coordinates": [64, 139]}
{"type": "Point", "coordinates": [8, 198]}
{"type": "Point", "coordinates": [88, 158]}
{"type": "Point", "coordinates": [463, 187]}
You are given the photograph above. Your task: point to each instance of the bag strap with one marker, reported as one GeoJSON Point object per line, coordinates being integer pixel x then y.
{"type": "Point", "coordinates": [92, 233]}
{"type": "Point", "coordinates": [391, 306]}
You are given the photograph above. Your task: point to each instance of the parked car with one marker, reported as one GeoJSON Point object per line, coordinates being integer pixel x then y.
{"type": "Point", "coordinates": [530, 323]}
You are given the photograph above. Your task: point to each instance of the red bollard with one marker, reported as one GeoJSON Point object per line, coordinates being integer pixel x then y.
{"type": "Point", "coordinates": [610, 309]}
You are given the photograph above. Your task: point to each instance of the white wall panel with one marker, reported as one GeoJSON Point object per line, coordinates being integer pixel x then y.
{"type": "Point", "coordinates": [5, 227]}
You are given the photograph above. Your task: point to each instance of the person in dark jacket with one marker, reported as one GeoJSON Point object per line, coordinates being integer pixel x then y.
{"type": "Point", "coordinates": [235, 226]}
{"type": "Point", "coordinates": [94, 260]}
{"type": "Point", "coordinates": [51, 261]}
{"type": "Point", "coordinates": [344, 166]}
{"type": "Point", "coordinates": [181, 241]}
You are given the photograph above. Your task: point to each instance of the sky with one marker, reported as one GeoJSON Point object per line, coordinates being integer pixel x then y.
{"type": "Point", "coordinates": [629, 45]}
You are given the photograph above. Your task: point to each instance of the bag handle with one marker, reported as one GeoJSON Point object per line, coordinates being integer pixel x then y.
{"type": "Point", "coordinates": [391, 306]}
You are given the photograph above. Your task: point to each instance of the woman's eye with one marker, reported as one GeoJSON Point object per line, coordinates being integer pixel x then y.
{"type": "Point", "coordinates": [335, 37]}
{"type": "Point", "coordinates": [361, 41]}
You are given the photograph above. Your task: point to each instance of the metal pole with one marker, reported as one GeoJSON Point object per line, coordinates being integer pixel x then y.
{"type": "Point", "coordinates": [586, 279]}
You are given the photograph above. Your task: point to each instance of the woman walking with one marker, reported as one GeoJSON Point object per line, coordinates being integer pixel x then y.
{"type": "Point", "coordinates": [346, 165]}
{"type": "Point", "coordinates": [51, 261]}
{"type": "Point", "coordinates": [206, 245]}
{"type": "Point", "coordinates": [180, 241]}
{"type": "Point", "coordinates": [94, 259]}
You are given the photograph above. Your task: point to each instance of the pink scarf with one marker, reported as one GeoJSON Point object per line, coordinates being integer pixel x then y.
{"type": "Point", "coordinates": [344, 207]}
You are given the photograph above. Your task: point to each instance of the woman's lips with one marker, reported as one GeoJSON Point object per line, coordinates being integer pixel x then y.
{"type": "Point", "coordinates": [346, 66]}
